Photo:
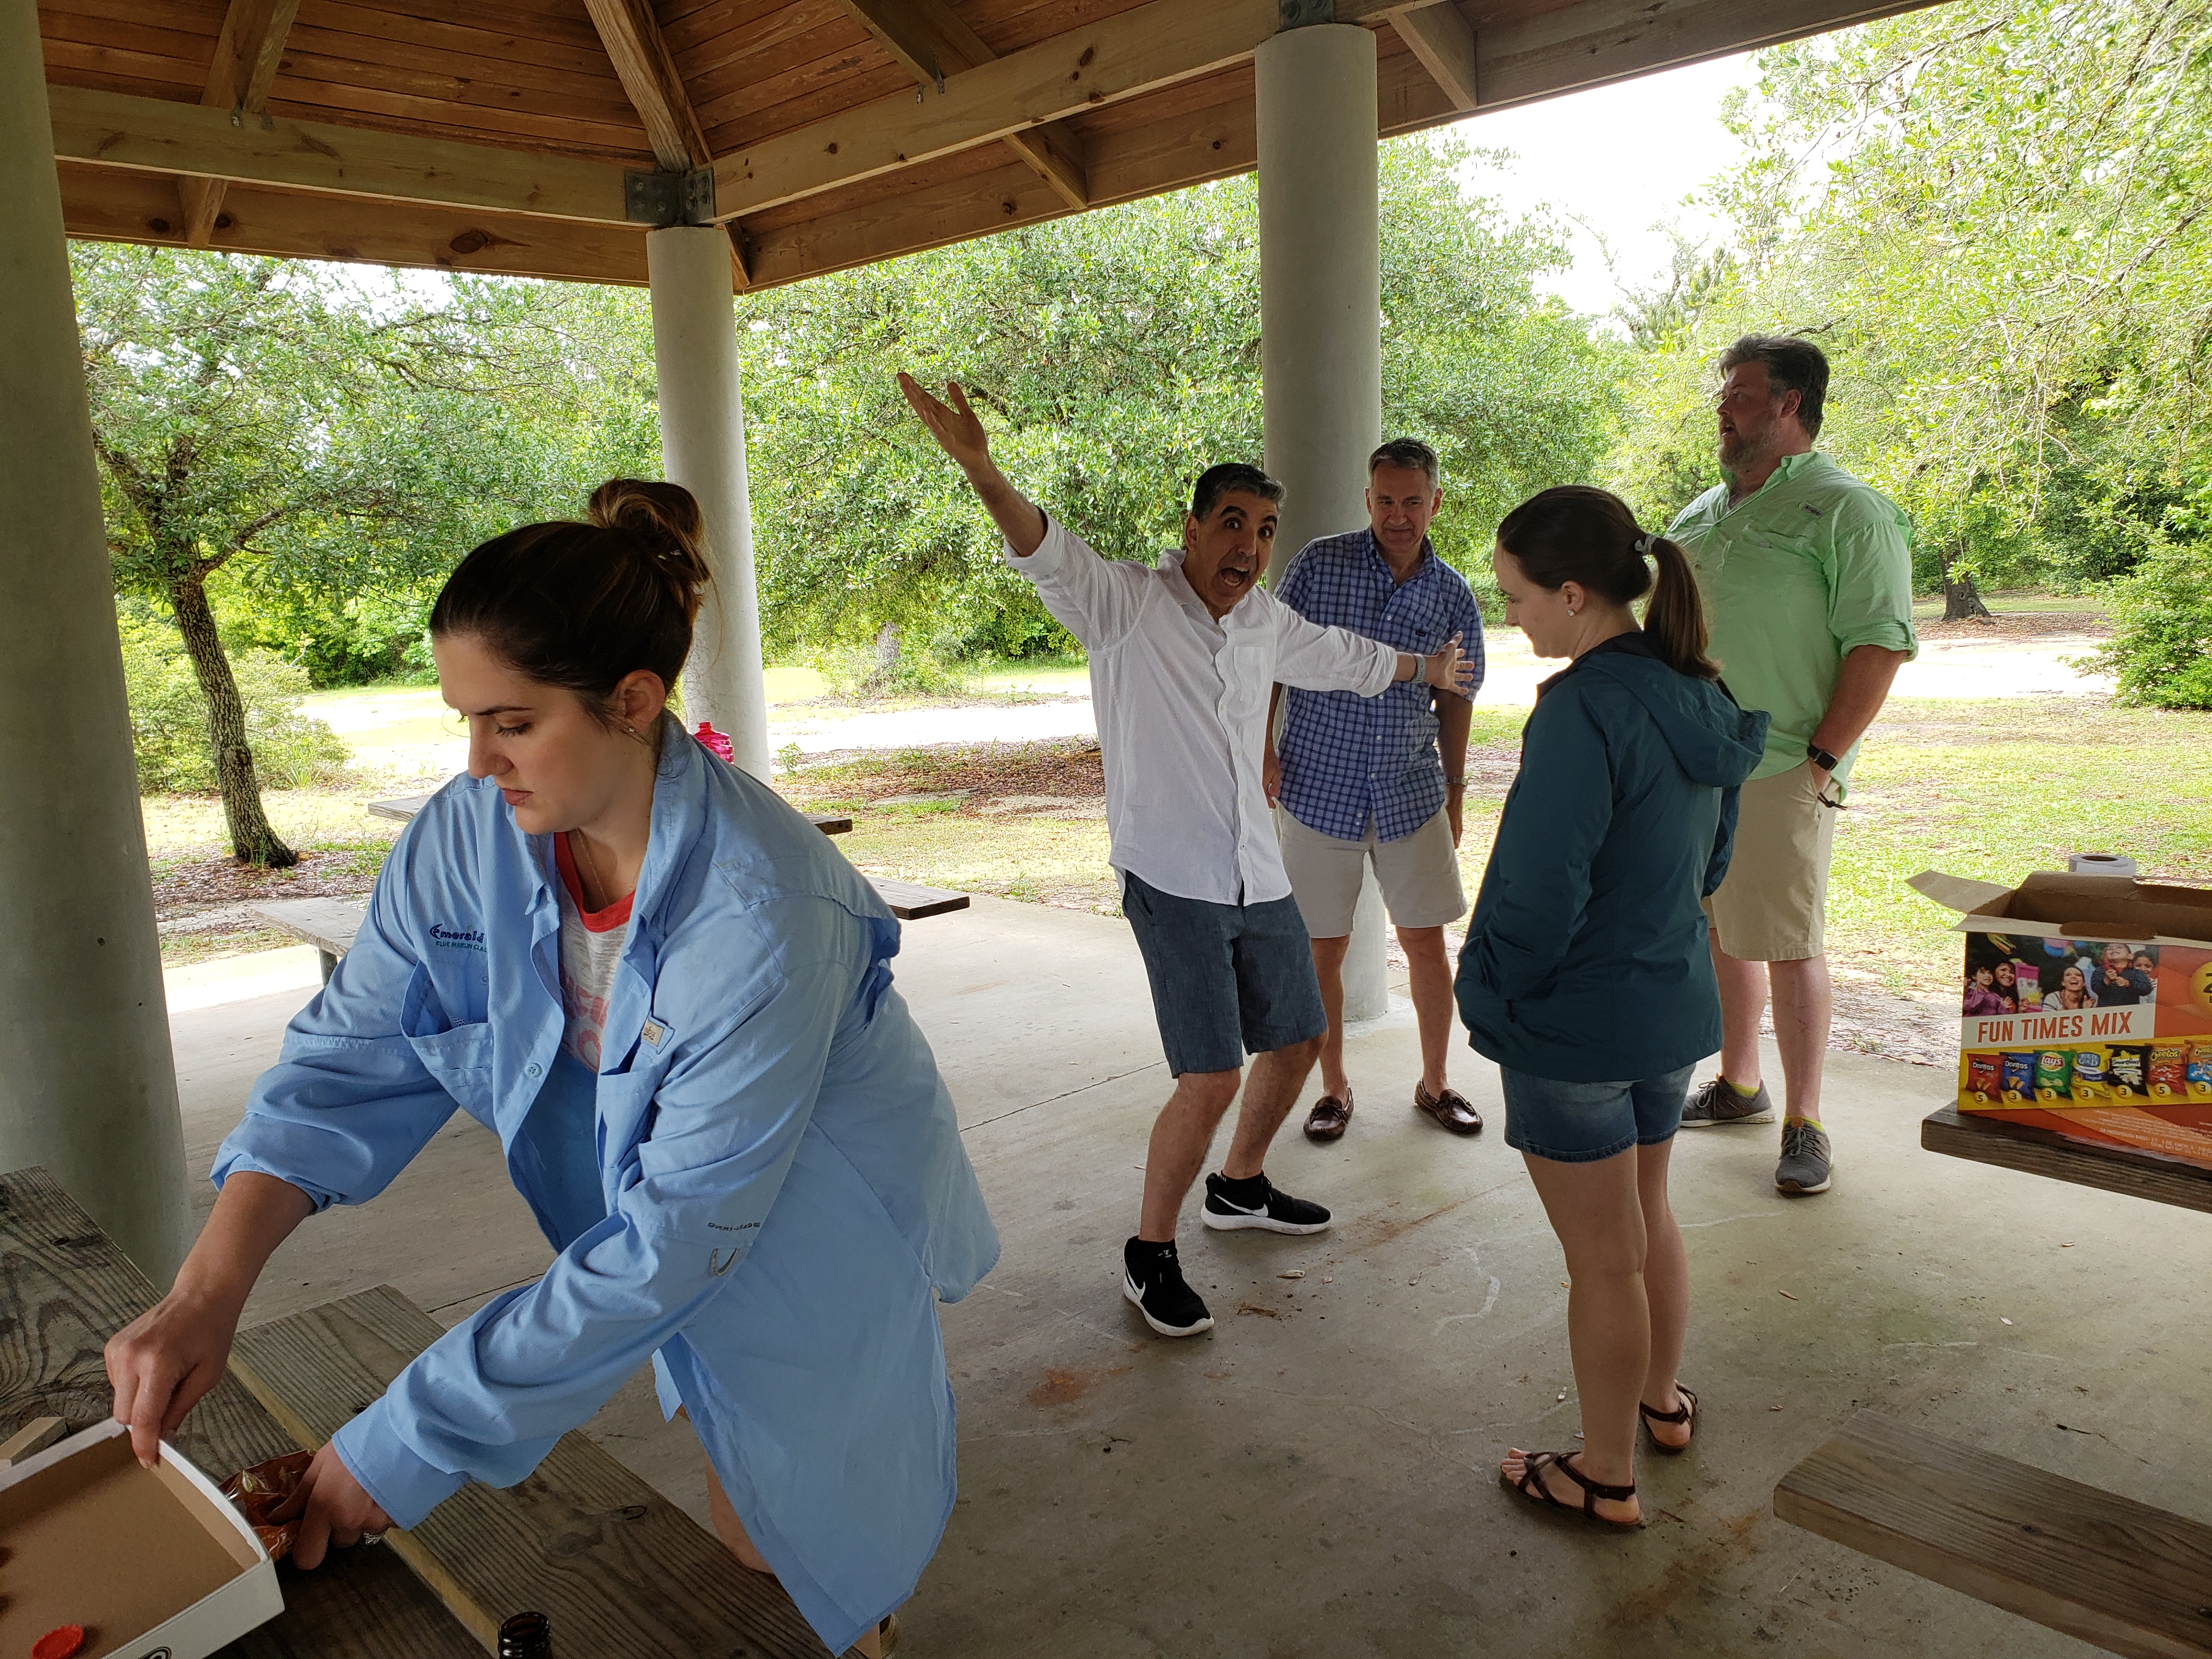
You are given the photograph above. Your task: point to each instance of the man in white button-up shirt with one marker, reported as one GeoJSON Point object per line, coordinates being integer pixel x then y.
{"type": "Point", "coordinates": [1184, 656]}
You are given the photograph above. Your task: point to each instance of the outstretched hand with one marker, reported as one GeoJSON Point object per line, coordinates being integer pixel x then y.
{"type": "Point", "coordinates": [333, 1508]}
{"type": "Point", "coordinates": [955, 427]}
{"type": "Point", "coordinates": [1447, 670]}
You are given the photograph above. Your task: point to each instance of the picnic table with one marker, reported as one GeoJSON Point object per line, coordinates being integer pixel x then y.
{"type": "Point", "coordinates": [620, 1572]}
{"type": "Point", "coordinates": [2129, 1577]}
{"type": "Point", "coordinates": [910, 901]}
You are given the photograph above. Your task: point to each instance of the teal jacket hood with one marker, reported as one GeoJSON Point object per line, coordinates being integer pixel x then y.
{"type": "Point", "coordinates": [1586, 959]}
{"type": "Point", "coordinates": [1713, 740]}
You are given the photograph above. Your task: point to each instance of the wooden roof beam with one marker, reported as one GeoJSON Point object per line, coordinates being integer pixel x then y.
{"type": "Point", "coordinates": [114, 129]}
{"type": "Point", "coordinates": [647, 69]}
{"type": "Point", "coordinates": [930, 42]}
{"type": "Point", "coordinates": [1116, 57]}
{"type": "Point", "coordinates": [247, 54]}
{"type": "Point", "coordinates": [1441, 38]}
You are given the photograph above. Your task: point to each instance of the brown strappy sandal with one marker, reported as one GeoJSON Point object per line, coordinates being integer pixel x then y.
{"type": "Point", "coordinates": [1531, 1486]}
{"type": "Point", "coordinates": [1685, 1413]}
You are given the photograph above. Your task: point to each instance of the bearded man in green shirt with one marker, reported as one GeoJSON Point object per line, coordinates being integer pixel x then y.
{"type": "Point", "coordinates": [1807, 573]}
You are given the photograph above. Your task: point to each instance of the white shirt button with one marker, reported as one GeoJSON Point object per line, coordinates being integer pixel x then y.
{"type": "Point", "coordinates": [532, 1069]}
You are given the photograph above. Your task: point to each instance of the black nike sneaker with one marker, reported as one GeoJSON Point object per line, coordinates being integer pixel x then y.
{"type": "Point", "coordinates": [1255, 1203]}
{"type": "Point", "coordinates": [1152, 1279]}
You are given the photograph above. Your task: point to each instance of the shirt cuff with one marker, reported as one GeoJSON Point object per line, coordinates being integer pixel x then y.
{"type": "Point", "coordinates": [1385, 673]}
{"type": "Point", "coordinates": [240, 1162]}
{"type": "Point", "coordinates": [1050, 554]}
{"type": "Point", "coordinates": [405, 1487]}
{"type": "Point", "coordinates": [1888, 633]}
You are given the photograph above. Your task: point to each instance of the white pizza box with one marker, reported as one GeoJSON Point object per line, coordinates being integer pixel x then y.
{"type": "Point", "coordinates": [155, 1564]}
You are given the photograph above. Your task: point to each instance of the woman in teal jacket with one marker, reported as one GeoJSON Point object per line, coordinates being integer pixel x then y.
{"type": "Point", "coordinates": [670, 997]}
{"type": "Point", "coordinates": [1586, 974]}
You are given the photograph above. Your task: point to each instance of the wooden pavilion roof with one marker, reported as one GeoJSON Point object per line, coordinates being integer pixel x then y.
{"type": "Point", "coordinates": [543, 137]}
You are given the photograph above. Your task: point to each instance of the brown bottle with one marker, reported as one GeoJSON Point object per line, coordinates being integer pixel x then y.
{"type": "Point", "coordinates": [527, 1636]}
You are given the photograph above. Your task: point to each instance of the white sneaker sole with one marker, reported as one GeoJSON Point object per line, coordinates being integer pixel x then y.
{"type": "Point", "coordinates": [1230, 1224]}
{"type": "Point", "coordinates": [1136, 1300]}
{"type": "Point", "coordinates": [1791, 1189]}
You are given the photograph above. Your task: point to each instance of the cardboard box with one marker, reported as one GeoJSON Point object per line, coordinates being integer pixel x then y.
{"type": "Point", "coordinates": [155, 1564]}
{"type": "Point", "coordinates": [2081, 992]}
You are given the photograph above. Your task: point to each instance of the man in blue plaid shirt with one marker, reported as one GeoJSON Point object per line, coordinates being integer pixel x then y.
{"type": "Point", "coordinates": [1361, 780]}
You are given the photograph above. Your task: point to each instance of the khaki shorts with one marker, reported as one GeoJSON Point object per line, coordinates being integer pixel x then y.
{"type": "Point", "coordinates": [1772, 905]}
{"type": "Point", "coordinates": [1419, 875]}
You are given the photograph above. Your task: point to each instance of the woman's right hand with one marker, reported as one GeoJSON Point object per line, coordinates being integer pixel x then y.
{"type": "Point", "coordinates": [162, 1362]}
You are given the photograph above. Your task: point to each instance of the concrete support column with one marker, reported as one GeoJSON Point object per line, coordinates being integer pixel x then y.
{"type": "Point", "coordinates": [1320, 326]}
{"type": "Point", "coordinates": [702, 448]}
{"type": "Point", "coordinates": [88, 1087]}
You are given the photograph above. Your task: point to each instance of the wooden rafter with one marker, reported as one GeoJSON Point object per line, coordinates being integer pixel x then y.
{"type": "Point", "coordinates": [246, 57]}
{"type": "Point", "coordinates": [1441, 38]}
{"type": "Point", "coordinates": [899, 178]}
{"type": "Point", "coordinates": [1115, 59]}
{"type": "Point", "coordinates": [931, 42]}
{"type": "Point", "coordinates": [647, 69]}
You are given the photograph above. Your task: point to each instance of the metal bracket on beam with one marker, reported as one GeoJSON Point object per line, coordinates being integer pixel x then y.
{"type": "Point", "coordinates": [1304, 14]}
{"type": "Point", "coordinates": [660, 199]}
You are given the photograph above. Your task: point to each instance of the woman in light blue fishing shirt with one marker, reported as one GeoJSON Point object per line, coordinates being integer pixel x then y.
{"type": "Point", "coordinates": [669, 996]}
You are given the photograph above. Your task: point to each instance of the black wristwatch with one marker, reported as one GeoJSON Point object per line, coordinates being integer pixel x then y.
{"type": "Point", "coordinates": [1821, 758]}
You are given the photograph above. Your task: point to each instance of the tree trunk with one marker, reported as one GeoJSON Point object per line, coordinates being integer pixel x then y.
{"type": "Point", "coordinates": [1962, 600]}
{"type": "Point", "coordinates": [250, 837]}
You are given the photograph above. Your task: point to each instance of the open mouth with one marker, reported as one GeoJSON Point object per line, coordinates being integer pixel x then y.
{"type": "Point", "coordinates": [1235, 576]}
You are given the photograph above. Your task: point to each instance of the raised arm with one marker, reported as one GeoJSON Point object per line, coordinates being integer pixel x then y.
{"type": "Point", "coordinates": [961, 435]}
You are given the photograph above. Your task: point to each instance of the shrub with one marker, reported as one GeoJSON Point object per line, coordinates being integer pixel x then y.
{"type": "Point", "coordinates": [2161, 643]}
{"type": "Point", "coordinates": [893, 667]}
{"type": "Point", "coordinates": [169, 724]}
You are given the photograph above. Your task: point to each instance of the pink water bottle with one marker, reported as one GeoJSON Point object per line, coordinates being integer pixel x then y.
{"type": "Point", "coordinates": [714, 742]}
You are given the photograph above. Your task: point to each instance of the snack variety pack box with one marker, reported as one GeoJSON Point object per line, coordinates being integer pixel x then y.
{"type": "Point", "coordinates": [2081, 992]}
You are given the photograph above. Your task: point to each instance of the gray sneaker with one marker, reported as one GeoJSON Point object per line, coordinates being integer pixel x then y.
{"type": "Point", "coordinates": [1718, 1102]}
{"type": "Point", "coordinates": [1804, 1167]}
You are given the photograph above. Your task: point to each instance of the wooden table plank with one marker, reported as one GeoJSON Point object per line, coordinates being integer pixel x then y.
{"type": "Point", "coordinates": [64, 1290]}
{"type": "Point", "coordinates": [2036, 1151]}
{"type": "Point", "coordinates": [910, 901]}
{"type": "Point", "coordinates": [621, 1572]}
{"type": "Point", "coordinates": [2132, 1579]}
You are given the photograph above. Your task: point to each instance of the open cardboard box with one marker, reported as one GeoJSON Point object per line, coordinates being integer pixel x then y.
{"type": "Point", "coordinates": [2081, 992]}
{"type": "Point", "coordinates": [155, 1564]}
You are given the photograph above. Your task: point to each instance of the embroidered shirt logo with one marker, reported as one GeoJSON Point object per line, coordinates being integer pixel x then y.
{"type": "Point", "coordinates": [457, 938]}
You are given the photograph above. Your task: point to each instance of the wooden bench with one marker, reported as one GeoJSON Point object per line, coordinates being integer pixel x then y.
{"type": "Point", "coordinates": [910, 901]}
{"type": "Point", "coordinates": [2130, 1578]}
{"type": "Point", "coordinates": [327, 923]}
{"type": "Point", "coordinates": [621, 1572]}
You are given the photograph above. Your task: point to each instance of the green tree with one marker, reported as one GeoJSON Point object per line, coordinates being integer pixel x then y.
{"type": "Point", "coordinates": [300, 429]}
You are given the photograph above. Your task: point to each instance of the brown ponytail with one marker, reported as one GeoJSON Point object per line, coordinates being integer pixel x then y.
{"type": "Point", "coordinates": [1573, 533]}
{"type": "Point", "coordinates": [580, 605]}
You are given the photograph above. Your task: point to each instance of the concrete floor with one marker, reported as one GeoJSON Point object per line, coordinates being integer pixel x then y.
{"type": "Point", "coordinates": [1274, 1489]}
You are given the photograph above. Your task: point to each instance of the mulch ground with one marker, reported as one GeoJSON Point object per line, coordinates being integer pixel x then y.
{"type": "Point", "coordinates": [2017, 624]}
{"type": "Point", "coordinates": [197, 884]}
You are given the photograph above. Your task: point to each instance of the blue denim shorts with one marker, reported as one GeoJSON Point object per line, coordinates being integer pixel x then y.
{"type": "Point", "coordinates": [1582, 1122]}
{"type": "Point", "coordinates": [1225, 978]}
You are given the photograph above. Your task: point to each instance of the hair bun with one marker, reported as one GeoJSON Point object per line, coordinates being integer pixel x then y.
{"type": "Point", "coordinates": [663, 521]}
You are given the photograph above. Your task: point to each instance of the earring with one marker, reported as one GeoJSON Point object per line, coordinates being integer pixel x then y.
{"type": "Point", "coordinates": [1571, 610]}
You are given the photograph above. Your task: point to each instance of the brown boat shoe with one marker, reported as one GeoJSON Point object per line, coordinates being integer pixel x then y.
{"type": "Point", "coordinates": [1450, 1110]}
{"type": "Point", "coordinates": [1330, 1117]}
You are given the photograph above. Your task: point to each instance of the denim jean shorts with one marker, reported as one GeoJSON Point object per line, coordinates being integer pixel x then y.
{"type": "Point", "coordinates": [1582, 1122]}
{"type": "Point", "coordinates": [1225, 978]}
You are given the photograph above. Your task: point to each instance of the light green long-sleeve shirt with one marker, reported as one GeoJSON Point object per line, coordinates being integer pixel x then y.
{"type": "Point", "coordinates": [1798, 574]}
